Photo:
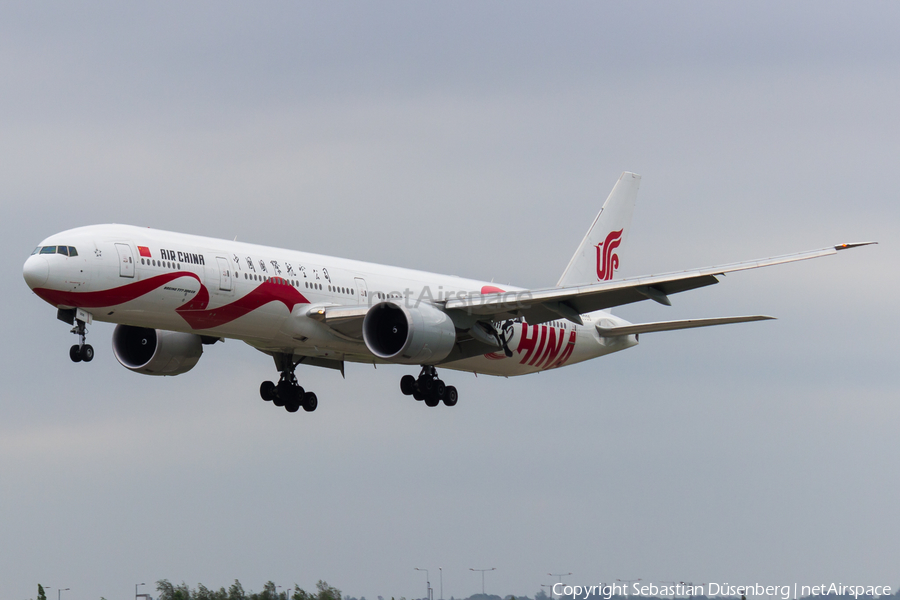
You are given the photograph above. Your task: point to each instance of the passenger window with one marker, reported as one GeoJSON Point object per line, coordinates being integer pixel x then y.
{"type": "Point", "coordinates": [48, 250]}
{"type": "Point", "coordinates": [73, 251]}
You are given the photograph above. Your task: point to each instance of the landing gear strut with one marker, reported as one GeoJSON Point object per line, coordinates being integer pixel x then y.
{"type": "Point", "coordinates": [81, 351]}
{"type": "Point", "coordinates": [287, 392]}
{"type": "Point", "coordinates": [429, 387]}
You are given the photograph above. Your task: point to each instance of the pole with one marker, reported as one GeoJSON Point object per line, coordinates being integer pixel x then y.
{"type": "Point", "coordinates": [560, 575]}
{"type": "Point", "coordinates": [442, 582]}
{"type": "Point", "coordinates": [482, 576]}
{"type": "Point", "coordinates": [427, 583]}
{"type": "Point", "coordinates": [59, 592]}
{"type": "Point", "coordinates": [135, 589]}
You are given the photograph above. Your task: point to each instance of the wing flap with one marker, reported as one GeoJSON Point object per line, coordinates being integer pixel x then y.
{"type": "Point", "coordinates": [345, 320]}
{"type": "Point", "coordinates": [675, 325]}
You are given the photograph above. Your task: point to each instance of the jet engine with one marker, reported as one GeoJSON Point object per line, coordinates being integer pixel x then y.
{"type": "Point", "coordinates": [413, 336]}
{"type": "Point", "coordinates": [156, 351]}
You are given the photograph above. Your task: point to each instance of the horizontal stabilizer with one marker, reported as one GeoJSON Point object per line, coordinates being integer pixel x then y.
{"type": "Point", "coordinates": [673, 325]}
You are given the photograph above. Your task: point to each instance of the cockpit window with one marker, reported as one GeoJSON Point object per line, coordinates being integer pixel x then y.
{"type": "Point", "coordinates": [64, 250]}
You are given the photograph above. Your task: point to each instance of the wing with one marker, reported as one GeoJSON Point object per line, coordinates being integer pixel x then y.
{"type": "Point", "coordinates": [538, 306]}
{"type": "Point", "coordinates": [346, 321]}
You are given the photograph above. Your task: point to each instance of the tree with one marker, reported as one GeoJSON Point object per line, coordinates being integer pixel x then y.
{"type": "Point", "coordinates": [326, 592]}
{"type": "Point", "coordinates": [41, 594]}
{"type": "Point", "coordinates": [236, 591]}
{"type": "Point", "coordinates": [167, 591]}
{"type": "Point", "coordinates": [301, 594]}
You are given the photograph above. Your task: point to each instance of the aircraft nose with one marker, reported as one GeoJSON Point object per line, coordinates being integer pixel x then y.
{"type": "Point", "coordinates": [36, 271]}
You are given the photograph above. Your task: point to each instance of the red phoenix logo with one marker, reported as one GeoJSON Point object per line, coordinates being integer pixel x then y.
{"type": "Point", "coordinates": [607, 260]}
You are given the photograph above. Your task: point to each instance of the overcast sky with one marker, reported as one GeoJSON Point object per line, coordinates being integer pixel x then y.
{"type": "Point", "coordinates": [477, 139]}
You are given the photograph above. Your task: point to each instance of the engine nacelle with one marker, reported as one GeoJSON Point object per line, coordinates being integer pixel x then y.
{"type": "Point", "coordinates": [155, 351]}
{"type": "Point", "coordinates": [414, 336]}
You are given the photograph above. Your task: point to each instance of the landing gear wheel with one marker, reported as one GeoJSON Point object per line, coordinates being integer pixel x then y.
{"type": "Point", "coordinates": [279, 399]}
{"type": "Point", "coordinates": [75, 353]}
{"type": "Point", "coordinates": [287, 392]}
{"type": "Point", "coordinates": [450, 396]}
{"type": "Point", "coordinates": [429, 387]}
{"type": "Point", "coordinates": [425, 384]}
{"type": "Point", "coordinates": [408, 385]}
{"type": "Point", "coordinates": [87, 353]}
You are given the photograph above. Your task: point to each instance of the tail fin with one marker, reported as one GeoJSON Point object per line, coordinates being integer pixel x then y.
{"type": "Point", "coordinates": [597, 257]}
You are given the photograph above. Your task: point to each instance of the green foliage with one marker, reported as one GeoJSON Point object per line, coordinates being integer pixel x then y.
{"type": "Point", "coordinates": [41, 595]}
{"type": "Point", "coordinates": [300, 594]}
{"type": "Point", "coordinates": [326, 592]}
{"type": "Point", "coordinates": [169, 591]}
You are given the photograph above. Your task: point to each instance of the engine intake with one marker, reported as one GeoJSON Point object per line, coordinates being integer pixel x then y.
{"type": "Point", "coordinates": [414, 336]}
{"type": "Point", "coordinates": [156, 351]}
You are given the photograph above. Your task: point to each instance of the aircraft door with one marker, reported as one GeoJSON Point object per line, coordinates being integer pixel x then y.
{"type": "Point", "coordinates": [225, 284]}
{"type": "Point", "coordinates": [362, 293]}
{"type": "Point", "coordinates": [126, 260]}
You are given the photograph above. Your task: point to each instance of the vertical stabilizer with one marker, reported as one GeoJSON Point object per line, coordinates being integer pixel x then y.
{"type": "Point", "coordinates": [597, 258]}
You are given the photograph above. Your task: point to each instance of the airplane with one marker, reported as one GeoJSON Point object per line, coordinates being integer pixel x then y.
{"type": "Point", "coordinates": [171, 294]}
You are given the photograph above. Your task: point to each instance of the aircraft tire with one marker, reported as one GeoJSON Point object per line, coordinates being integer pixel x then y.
{"type": "Point", "coordinates": [451, 396]}
{"type": "Point", "coordinates": [425, 383]}
{"type": "Point", "coordinates": [310, 402]}
{"type": "Point", "coordinates": [432, 400]}
{"type": "Point", "coordinates": [418, 395]}
{"type": "Point", "coordinates": [267, 391]}
{"type": "Point", "coordinates": [408, 385]}
{"type": "Point", "coordinates": [87, 353]}
{"type": "Point", "coordinates": [75, 353]}
{"type": "Point", "coordinates": [439, 389]}
{"type": "Point", "coordinates": [292, 406]}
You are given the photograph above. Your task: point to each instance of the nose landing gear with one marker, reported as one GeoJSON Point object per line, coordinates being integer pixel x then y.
{"type": "Point", "coordinates": [81, 351]}
{"type": "Point", "coordinates": [429, 388]}
{"type": "Point", "coordinates": [288, 392]}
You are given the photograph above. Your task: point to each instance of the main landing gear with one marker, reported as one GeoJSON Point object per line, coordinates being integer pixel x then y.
{"type": "Point", "coordinates": [429, 387]}
{"type": "Point", "coordinates": [287, 392]}
{"type": "Point", "coordinates": [81, 351]}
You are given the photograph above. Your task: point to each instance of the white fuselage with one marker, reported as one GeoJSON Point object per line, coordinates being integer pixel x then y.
{"type": "Point", "coordinates": [263, 295]}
